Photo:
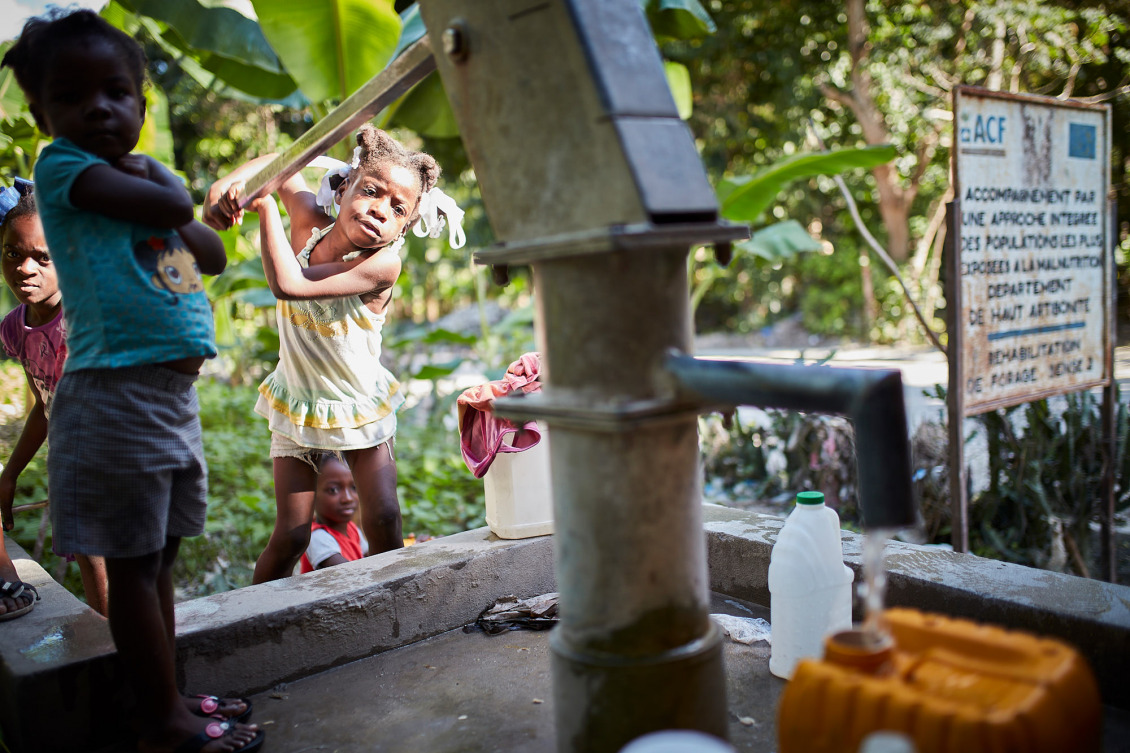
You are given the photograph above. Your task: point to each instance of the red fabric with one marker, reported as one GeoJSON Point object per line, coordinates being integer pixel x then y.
{"type": "Point", "coordinates": [349, 543]}
{"type": "Point", "coordinates": [482, 435]}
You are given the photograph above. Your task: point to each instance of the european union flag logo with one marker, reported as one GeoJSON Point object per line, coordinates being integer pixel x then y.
{"type": "Point", "coordinates": [1081, 141]}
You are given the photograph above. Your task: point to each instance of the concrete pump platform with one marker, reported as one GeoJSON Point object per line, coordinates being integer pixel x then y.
{"type": "Point", "coordinates": [370, 655]}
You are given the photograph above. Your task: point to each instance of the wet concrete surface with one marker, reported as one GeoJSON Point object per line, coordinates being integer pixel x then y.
{"type": "Point", "coordinates": [375, 660]}
{"type": "Point", "coordinates": [473, 693]}
{"type": "Point", "coordinates": [468, 692]}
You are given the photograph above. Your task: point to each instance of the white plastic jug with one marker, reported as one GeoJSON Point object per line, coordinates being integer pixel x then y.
{"type": "Point", "coordinates": [809, 584]}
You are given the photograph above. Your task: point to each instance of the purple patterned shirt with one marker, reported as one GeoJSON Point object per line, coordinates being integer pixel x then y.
{"type": "Point", "coordinates": [40, 350]}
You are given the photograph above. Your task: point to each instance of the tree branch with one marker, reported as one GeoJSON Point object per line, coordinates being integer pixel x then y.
{"type": "Point", "coordinates": [1069, 86]}
{"type": "Point", "coordinates": [993, 80]}
{"type": "Point", "coordinates": [947, 81]}
{"type": "Point", "coordinates": [836, 95]}
{"type": "Point", "coordinates": [1106, 96]}
{"type": "Point", "coordinates": [915, 83]}
{"type": "Point", "coordinates": [878, 249]}
{"type": "Point", "coordinates": [924, 155]}
{"type": "Point", "coordinates": [918, 264]}
{"type": "Point", "coordinates": [963, 33]}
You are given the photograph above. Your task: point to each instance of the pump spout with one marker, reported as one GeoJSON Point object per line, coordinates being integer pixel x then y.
{"type": "Point", "coordinates": [871, 398]}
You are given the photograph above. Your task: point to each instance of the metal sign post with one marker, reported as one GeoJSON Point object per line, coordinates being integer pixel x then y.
{"type": "Point", "coordinates": [1031, 269]}
{"type": "Point", "coordinates": [1110, 439]}
{"type": "Point", "coordinates": [955, 396]}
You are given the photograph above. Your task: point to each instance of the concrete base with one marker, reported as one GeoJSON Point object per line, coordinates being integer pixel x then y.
{"type": "Point", "coordinates": [59, 688]}
{"type": "Point", "coordinates": [680, 689]}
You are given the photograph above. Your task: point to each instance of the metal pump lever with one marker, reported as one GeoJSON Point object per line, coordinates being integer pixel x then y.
{"type": "Point", "coordinates": [409, 68]}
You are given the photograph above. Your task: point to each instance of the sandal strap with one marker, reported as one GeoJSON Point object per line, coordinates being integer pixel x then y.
{"type": "Point", "coordinates": [209, 703]}
{"type": "Point", "coordinates": [13, 589]}
{"type": "Point", "coordinates": [217, 728]}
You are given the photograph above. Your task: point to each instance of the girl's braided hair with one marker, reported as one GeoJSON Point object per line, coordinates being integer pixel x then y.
{"type": "Point", "coordinates": [24, 207]}
{"type": "Point", "coordinates": [378, 149]}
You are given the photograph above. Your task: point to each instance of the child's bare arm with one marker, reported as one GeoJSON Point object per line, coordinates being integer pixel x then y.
{"type": "Point", "coordinates": [273, 243]}
{"type": "Point", "coordinates": [31, 439]}
{"type": "Point", "coordinates": [221, 205]}
{"type": "Point", "coordinates": [206, 246]}
{"type": "Point", "coordinates": [157, 200]}
{"type": "Point", "coordinates": [290, 282]}
{"type": "Point", "coordinates": [333, 559]}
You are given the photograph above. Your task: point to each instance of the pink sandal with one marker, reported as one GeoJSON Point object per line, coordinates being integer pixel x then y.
{"type": "Point", "coordinates": [210, 706]}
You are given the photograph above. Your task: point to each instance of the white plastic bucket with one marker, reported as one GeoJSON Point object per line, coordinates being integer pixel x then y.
{"type": "Point", "coordinates": [519, 497]}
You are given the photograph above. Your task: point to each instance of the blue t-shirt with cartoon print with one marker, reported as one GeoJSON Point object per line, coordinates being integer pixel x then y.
{"type": "Point", "coordinates": [134, 293]}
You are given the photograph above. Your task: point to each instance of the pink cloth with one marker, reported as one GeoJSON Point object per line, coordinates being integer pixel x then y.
{"type": "Point", "coordinates": [482, 435]}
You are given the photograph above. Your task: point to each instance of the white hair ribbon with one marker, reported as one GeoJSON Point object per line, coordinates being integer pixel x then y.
{"type": "Point", "coordinates": [435, 205]}
{"type": "Point", "coordinates": [334, 168]}
{"type": "Point", "coordinates": [431, 223]}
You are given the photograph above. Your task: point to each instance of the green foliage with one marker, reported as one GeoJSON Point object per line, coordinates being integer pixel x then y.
{"type": "Point", "coordinates": [425, 109]}
{"type": "Point", "coordinates": [679, 81]}
{"type": "Point", "coordinates": [746, 197]}
{"type": "Point", "coordinates": [241, 502]}
{"type": "Point", "coordinates": [20, 139]}
{"type": "Point", "coordinates": [1043, 497]}
{"type": "Point", "coordinates": [213, 41]}
{"type": "Point", "coordinates": [333, 48]}
{"type": "Point", "coordinates": [780, 241]}
{"type": "Point", "coordinates": [678, 19]}
{"type": "Point", "coordinates": [1045, 474]}
{"type": "Point", "coordinates": [833, 305]}
{"type": "Point", "coordinates": [438, 494]}
{"type": "Point", "coordinates": [12, 102]}
{"type": "Point", "coordinates": [763, 76]}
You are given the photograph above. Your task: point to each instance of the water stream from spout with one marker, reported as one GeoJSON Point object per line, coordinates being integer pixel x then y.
{"type": "Point", "coordinates": [873, 589]}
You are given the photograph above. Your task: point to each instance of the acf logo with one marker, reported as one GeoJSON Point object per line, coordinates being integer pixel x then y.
{"type": "Point", "coordinates": [981, 129]}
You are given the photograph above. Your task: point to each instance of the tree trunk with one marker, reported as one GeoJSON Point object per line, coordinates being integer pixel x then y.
{"type": "Point", "coordinates": [895, 199]}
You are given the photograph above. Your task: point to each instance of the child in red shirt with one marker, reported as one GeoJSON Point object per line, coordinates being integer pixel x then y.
{"type": "Point", "coordinates": [334, 537]}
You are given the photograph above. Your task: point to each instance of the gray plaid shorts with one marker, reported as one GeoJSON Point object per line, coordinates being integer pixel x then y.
{"type": "Point", "coordinates": [126, 467]}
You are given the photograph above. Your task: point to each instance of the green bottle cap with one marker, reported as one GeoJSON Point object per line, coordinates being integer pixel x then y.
{"type": "Point", "coordinates": [810, 498]}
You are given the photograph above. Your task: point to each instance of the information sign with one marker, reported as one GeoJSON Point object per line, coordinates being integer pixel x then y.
{"type": "Point", "coordinates": [1031, 180]}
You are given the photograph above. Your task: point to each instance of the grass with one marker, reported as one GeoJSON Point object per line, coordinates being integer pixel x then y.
{"type": "Point", "coordinates": [438, 495]}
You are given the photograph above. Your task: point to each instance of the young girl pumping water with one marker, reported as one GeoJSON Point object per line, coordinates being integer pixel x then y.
{"type": "Point", "coordinates": [333, 280]}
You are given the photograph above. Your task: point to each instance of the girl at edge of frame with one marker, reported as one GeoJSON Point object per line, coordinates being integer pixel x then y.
{"type": "Point", "coordinates": [34, 334]}
{"type": "Point", "coordinates": [333, 280]}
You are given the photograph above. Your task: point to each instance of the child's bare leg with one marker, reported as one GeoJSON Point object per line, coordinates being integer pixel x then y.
{"type": "Point", "coordinates": [294, 503]}
{"type": "Point", "coordinates": [374, 472]}
{"type": "Point", "coordinates": [93, 572]}
{"type": "Point", "coordinates": [141, 621]}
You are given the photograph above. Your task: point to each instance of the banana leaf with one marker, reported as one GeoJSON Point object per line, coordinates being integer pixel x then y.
{"type": "Point", "coordinates": [745, 198]}
{"type": "Point", "coordinates": [331, 48]}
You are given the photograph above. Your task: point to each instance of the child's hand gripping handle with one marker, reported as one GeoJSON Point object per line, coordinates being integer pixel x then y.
{"type": "Point", "coordinates": [223, 208]}
{"type": "Point", "coordinates": [228, 197]}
